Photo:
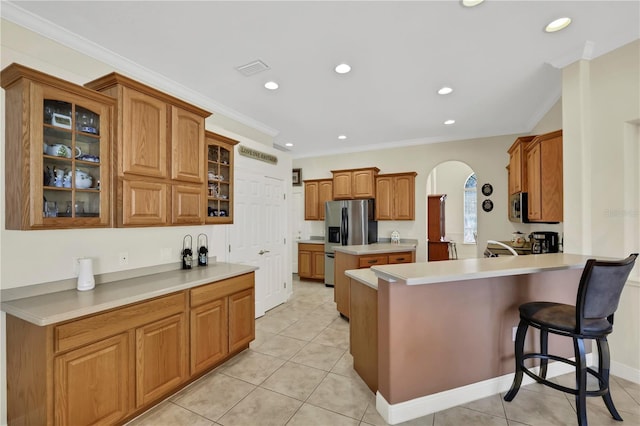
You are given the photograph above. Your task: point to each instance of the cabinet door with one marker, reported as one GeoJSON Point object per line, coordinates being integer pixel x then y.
{"type": "Point", "coordinates": [405, 257]}
{"type": "Point", "coordinates": [92, 383]}
{"type": "Point", "coordinates": [187, 204]}
{"type": "Point", "coordinates": [187, 146]}
{"type": "Point", "coordinates": [311, 203]}
{"type": "Point", "coordinates": [241, 319]}
{"type": "Point", "coordinates": [372, 260]}
{"type": "Point", "coordinates": [515, 170]}
{"type": "Point", "coordinates": [363, 184]}
{"type": "Point", "coordinates": [384, 198]}
{"type": "Point", "coordinates": [325, 193]}
{"type": "Point", "coordinates": [534, 182]}
{"type": "Point", "coordinates": [342, 185]}
{"type": "Point", "coordinates": [161, 358]}
{"type": "Point", "coordinates": [551, 183]}
{"type": "Point", "coordinates": [209, 335]}
{"type": "Point", "coordinates": [304, 262]}
{"type": "Point", "coordinates": [144, 128]}
{"type": "Point", "coordinates": [404, 197]}
{"type": "Point", "coordinates": [318, 264]}
{"type": "Point", "coordinates": [219, 171]}
{"type": "Point", "coordinates": [144, 203]}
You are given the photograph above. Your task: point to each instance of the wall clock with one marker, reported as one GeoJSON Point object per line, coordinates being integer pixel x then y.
{"type": "Point", "coordinates": [487, 205]}
{"type": "Point", "coordinates": [487, 189]}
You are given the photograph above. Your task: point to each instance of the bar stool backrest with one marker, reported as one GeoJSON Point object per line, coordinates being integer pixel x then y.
{"type": "Point", "coordinates": [600, 289]}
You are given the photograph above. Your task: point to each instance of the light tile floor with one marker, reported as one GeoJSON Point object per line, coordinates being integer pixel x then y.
{"type": "Point", "coordinates": [298, 372]}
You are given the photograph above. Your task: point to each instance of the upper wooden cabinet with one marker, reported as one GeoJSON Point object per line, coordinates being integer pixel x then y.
{"type": "Point", "coordinates": [517, 165]}
{"type": "Point", "coordinates": [219, 175]}
{"type": "Point", "coordinates": [354, 183]}
{"type": "Point", "coordinates": [316, 193]}
{"type": "Point", "coordinates": [57, 152]}
{"type": "Point", "coordinates": [160, 142]}
{"type": "Point", "coordinates": [395, 196]}
{"type": "Point", "coordinates": [544, 178]}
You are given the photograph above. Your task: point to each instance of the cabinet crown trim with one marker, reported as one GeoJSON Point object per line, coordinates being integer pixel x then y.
{"type": "Point", "coordinates": [113, 79]}
{"type": "Point", "coordinates": [398, 174]}
{"type": "Point", "coordinates": [353, 170]}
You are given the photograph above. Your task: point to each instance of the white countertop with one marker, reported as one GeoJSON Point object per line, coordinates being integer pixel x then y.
{"type": "Point", "coordinates": [376, 248]}
{"type": "Point", "coordinates": [69, 304]}
{"type": "Point", "coordinates": [469, 269]}
{"type": "Point", "coordinates": [310, 241]}
{"type": "Point", "coordinates": [365, 276]}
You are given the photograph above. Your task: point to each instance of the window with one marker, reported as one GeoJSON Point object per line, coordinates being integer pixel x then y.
{"type": "Point", "coordinates": [470, 210]}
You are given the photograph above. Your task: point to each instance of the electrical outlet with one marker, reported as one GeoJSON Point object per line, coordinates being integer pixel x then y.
{"type": "Point", "coordinates": [514, 331]}
{"type": "Point", "coordinates": [123, 258]}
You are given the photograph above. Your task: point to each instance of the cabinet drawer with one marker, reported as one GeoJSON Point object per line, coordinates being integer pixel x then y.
{"type": "Point", "coordinates": [367, 261]}
{"type": "Point", "coordinates": [400, 258]}
{"type": "Point", "coordinates": [213, 291]}
{"type": "Point", "coordinates": [100, 326]}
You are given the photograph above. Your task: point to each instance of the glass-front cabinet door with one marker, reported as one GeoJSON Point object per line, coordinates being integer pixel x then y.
{"type": "Point", "coordinates": [219, 169]}
{"type": "Point", "coordinates": [63, 173]}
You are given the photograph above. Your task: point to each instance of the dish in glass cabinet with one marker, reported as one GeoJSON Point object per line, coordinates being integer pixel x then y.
{"type": "Point", "coordinates": [487, 205]}
{"type": "Point", "coordinates": [487, 189]}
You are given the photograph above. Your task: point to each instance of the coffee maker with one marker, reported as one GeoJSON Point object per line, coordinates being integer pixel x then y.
{"type": "Point", "coordinates": [544, 242]}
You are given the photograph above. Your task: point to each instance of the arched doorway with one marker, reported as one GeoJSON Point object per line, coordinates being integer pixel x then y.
{"type": "Point", "coordinates": [457, 180]}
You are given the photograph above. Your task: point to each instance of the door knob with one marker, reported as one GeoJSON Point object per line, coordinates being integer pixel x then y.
{"type": "Point", "coordinates": [261, 252]}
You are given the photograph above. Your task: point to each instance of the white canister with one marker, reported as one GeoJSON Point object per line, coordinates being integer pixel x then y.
{"type": "Point", "coordinates": [86, 281]}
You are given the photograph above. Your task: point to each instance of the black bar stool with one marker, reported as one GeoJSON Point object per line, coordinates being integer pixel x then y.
{"type": "Point", "coordinates": [599, 291]}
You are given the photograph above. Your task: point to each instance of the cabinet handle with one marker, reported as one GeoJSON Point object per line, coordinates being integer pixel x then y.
{"type": "Point", "coordinates": [400, 259]}
{"type": "Point", "coordinates": [373, 261]}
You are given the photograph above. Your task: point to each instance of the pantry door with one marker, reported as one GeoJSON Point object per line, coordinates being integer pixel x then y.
{"type": "Point", "coordinates": [258, 235]}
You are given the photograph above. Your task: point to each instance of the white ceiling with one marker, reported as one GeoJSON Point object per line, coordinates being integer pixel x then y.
{"type": "Point", "coordinates": [505, 70]}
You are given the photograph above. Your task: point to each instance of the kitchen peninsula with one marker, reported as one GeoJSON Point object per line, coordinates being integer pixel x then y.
{"type": "Point", "coordinates": [444, 329]}
{"type": "Point", "coordinates": [140, 338]}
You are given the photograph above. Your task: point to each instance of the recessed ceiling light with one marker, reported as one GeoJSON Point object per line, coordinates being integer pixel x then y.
{"type": "Point", "coordinates": [557, 25]}
{"type": "Point", "coordinates": [342, 137]}
{"type": "Point", "coordinates": [445, 90]}
{"type": "Point", "coordinates": [271, 85]}
{"type": "Point", "coordinates": [471, 3]}
{"type": "Point", "coordinates": [343, 68]}
{"type": "Point", "coordinates": [449, 122]}
{"type": "Point", "coordinates": [288, 144]}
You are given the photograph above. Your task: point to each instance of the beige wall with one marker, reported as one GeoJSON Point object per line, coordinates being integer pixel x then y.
{"type": "Point", "coordinates": [601, 121]}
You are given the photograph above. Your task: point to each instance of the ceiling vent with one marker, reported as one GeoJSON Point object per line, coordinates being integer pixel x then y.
{"type": "Point", "coordinates": [252, 68]}
{"type": "Point", "coordinates": [281, 148]}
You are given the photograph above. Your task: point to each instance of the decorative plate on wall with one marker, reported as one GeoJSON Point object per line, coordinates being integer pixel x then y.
{"type": "Point", "coordinates": [487, 205]}
{"type": "Point", "coordinates": [487, 189]}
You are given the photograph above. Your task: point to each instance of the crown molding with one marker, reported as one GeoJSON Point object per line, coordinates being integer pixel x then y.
{"type": "Point", "coordinates": [584, 52]}
{"type": "Point", "coordinates": [17, 15]}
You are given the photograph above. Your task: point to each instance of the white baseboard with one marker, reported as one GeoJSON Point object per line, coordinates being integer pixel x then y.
{"type": "Point", "coordinates": [625, 372]}
{"type": "Point", "coordinates": [422, 406]}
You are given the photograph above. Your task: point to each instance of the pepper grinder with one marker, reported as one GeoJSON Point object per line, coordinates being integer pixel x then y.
{"type": "Point", "coordinates": [187, 252]}
{"type": "Point", "coordinates": [203, 250]}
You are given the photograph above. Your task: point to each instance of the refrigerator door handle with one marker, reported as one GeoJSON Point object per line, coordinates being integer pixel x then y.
{"type": "Point", "coordinates": [344, 227]}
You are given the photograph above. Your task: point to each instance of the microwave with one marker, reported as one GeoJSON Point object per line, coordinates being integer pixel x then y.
{"type": "Point", "coordinates": [518, 208]}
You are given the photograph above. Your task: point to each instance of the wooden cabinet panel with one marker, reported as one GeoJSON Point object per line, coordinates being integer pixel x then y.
{"type": "Point", "coordinates": [406, 257]}
{"type": "Point", "coordinates": [210, 292]}
{"type": "Point", "coordinates": [316, 193]}
{"type": "Point", "coordinates": [92, 383]}
{"type": "Point", "coordinates": [311, 261]}
{"type": "Point", "coordinates": [438, 250]}
{"type": "Point", "coordinates": [219, 170]}
{"type": "Point", "coordinates": [363, 332]}
{"type": "Point", "coordinates": [161, 358]}
{"type": "Point", "coordinates": [534, 183]}
{"type": "Point", "coordinates": [395, 196]}
{"type": "Point", "coordinates": [372, 260]}
{"type": "Point", "coordinates": [209, 335]}
{"type": "Point", "coordinates": [517, 165]}
{"type": "Point", "coordinates": [435, 217]}
{"type": "Point", "coordinates": [144, 203]}
{"type": "Point", "coordinates": [187, 204]}
{"type": "Point", "coordinates": [187, 146]}
{"type": "Point", "coordinates": [144, 133]}
{"type": "Point", "coordinates": [354, 183]}
{"type": "Point", "coordinates": [241, 319]}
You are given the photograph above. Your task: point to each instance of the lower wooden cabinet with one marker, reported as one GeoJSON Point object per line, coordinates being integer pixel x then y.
{"type": "Point", "coordinates": [76, 374]}
{"type": "Point", "coordinates": [161, 358]}
{"type": "Point", "coordinates": [345, 262]}
{"type": "Point", "coordinates": [311, 261]}
{"type": "Point", "coordinates": [222, 320]}
{"type": "Point", "coordinates": [108, 367]}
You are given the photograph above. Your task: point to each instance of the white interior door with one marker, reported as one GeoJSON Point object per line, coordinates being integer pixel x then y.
{"type": "Point", "coordinates": [258, 235]}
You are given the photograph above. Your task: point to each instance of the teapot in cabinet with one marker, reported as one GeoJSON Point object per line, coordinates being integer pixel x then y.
{"type": "Point", "coordinates": [83, 180]}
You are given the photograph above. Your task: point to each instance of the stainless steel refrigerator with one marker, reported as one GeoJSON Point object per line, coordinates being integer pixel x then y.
{"type": "Point", "coordinates": [349, 222]}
